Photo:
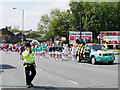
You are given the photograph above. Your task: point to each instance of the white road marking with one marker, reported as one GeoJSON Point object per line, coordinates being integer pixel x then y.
{"type": "Point", "coordinates": [73, 82]}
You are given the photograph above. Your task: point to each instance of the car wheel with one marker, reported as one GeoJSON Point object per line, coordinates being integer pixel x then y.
{"type": "Point", "coordinates": [93, 61]}
{"type": "Point", "coordinates": [110, 62]}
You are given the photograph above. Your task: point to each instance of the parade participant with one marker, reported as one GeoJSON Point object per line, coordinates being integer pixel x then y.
{"type": "Point", "coordinates": [13, 48]}
{"type": "Point", "coordinates": [5, 47]}
{"type": "Point", "coordinates": [40, 51]}
{"type": "Point", "coordinates": [53, 51]}
{"type": "Point", "coordinates": [63, 51]}
{"type": "Point", "coordinates": [73, 51]}
{"type": "Point", "coordinates": [22, 49]}
{"type": "Point", "coordinates": [29, 64]}
{"type": "Point", "coordinates": [44, 48]}
{"type": "Point", "coordinates": [33, 48]}
{"type": "Point", "coordinates": [60, 49]}
{"type": "Point", "coordinates": [50, 51]}
{"type": "Point", "coordinates": [57, 52]}
{"type": "Point", "coordinates": [66, 51]}
{"type": "Point", "coordinates": [36, 49]}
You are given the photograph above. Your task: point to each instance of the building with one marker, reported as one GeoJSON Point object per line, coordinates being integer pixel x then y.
{"type": "Point", "coordinates": [19, 35]}
{"type": "Point", "coordinates": [9, 37]}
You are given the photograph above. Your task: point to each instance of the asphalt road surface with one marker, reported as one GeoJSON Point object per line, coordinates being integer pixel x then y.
{"type": "Point", "coordinates": [58, 74]}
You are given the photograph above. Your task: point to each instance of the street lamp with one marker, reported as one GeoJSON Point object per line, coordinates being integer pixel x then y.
{"type": "Point", "coordinates": [80, 25]}
{"type": "Point", "coordinates": [22, 21]}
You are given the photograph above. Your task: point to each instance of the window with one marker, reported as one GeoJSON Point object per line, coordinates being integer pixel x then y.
{"type": "Point", "coordinates": [87, 47]}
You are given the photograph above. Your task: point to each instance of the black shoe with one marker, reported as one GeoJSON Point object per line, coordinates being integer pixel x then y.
{"type": "Point", "coordinates": [31, 85]}
{"type": "Point", "coordinates": [28, 86]}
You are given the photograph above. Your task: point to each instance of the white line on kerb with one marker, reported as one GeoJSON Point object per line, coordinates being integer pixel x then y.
{"type": "Point", "coordinates": [73, 82]}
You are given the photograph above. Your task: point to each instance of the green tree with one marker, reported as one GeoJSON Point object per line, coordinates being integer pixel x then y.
{"type": "Point", "coordinates": [60, 25]}
{"type": "Point", "coordinates": [32, 35]}
{"type": "Point", "coordinates": [43, 24]}
{"type": "Point", "coordinates": [96, 16]}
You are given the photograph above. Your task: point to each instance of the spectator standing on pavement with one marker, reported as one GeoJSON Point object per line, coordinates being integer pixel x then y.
{"type": "Point", "coordinates": [29, 64]}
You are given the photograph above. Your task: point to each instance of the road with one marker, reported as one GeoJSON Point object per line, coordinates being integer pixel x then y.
{"type": "Point", "coordinates": [58, 74]}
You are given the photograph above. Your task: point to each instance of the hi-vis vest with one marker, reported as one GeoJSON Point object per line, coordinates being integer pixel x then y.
{"type": "Point", "coordinates": [28, 59]}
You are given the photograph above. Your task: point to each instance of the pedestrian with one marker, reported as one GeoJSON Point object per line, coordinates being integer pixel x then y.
{"type": "Point", "coordinates": [29, 64]}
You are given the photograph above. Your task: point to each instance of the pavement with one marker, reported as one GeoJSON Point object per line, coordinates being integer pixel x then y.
{"type": "Point", "coordinates": [58, 74]}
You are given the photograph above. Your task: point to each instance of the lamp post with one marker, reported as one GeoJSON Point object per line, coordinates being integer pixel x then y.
{"type": "Point", "coordinates": [80, 25]}
{"type": "Point", "coordinates": [22, 21]}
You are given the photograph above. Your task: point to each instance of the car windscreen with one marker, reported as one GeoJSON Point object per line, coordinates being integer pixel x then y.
{"type": "Point", "coordinates": [98, 47]}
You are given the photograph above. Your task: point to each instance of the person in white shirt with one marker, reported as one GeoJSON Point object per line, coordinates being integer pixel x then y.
{"type": "Point", "coordinates": [66, 51]}
{"type": "Point", "coordinates": [73, 51]}
{"type": "Point", "coordinates": [63, 51]}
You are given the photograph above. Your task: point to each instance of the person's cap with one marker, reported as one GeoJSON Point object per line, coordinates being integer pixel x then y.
{"type": "Point", "coordinates": [28, 45]}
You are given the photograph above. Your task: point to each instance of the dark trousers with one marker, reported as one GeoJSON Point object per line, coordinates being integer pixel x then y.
{"type": "Point", "coordinates": [30, 73]}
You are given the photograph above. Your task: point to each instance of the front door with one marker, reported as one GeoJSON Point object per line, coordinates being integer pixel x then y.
{"type": "Point", "coordinates": [87, 52]}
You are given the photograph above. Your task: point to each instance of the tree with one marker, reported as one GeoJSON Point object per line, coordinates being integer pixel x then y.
{"type": "Point", "coordinates": [60, 25]}
{"type": "Point", "coordinates": [96, 16]}
{"type": "Point", "coordinates": [43, 24]}
{"type": "Point", "coordinates": [32, 35]}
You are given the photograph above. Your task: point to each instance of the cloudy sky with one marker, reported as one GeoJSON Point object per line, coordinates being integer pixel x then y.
{"type": "Point", "coordinates": [34, 9]}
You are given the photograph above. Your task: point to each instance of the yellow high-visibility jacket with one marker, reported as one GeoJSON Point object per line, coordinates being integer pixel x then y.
{"type": "Point", "coordinates": [28, 59]}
